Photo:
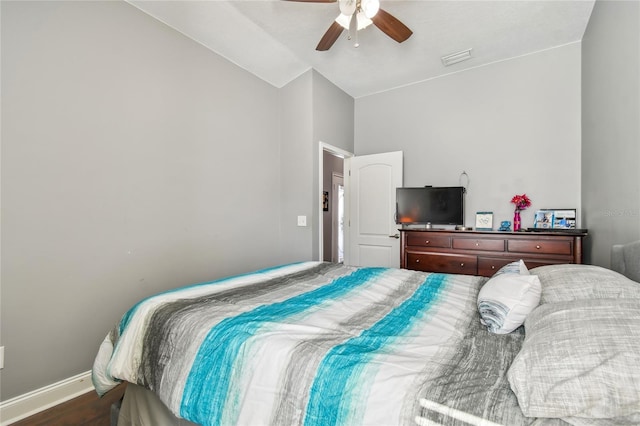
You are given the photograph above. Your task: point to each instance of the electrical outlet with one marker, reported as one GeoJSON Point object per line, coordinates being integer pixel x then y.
{"type": "Point", "coordinates": [302, 221]}
{"type": "Point", "coordinates": [1, 357]}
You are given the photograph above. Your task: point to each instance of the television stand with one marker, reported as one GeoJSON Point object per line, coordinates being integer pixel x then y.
{"type": "Point", "coordinates": [484, 252]}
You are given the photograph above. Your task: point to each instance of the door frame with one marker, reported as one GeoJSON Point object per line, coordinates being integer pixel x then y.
{"type": "Point", "coordinates": [335, 225]}
{"type": "Point", "coordinates": [338, 152]}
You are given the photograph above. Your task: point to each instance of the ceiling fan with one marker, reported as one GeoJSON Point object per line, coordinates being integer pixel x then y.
{"type": "Point", "coordinates": [359, 14]}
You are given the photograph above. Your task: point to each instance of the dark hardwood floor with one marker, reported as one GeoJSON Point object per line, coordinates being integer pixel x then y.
{"type": "Point", "coordinates": [85, 410]}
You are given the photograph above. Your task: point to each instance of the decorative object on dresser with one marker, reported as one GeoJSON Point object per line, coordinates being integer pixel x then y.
{"type": "Point", "coordinates": [484, 221]}
{"type": "Point", "coordinates": [484, 253]}
{"type": "Point", "coordinates": [521, 202]}
{"type": "Point", "coordinates": [555, 219]}
{"type": "Point", "coordinates": [505, 225]}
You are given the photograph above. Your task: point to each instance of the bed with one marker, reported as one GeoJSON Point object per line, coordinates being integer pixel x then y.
{"type": "Point", "coordinates": [317, 343]}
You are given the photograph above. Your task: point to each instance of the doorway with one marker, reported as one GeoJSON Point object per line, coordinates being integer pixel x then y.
{"type": "Point", "coordinates": [331, 233]}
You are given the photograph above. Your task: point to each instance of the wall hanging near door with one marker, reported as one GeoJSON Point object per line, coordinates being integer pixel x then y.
{"type": "Point", "coordinates": [325, 201]}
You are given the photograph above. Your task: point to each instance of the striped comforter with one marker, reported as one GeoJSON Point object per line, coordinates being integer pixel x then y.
{"type": "Point", "coordinates": [316, 344]}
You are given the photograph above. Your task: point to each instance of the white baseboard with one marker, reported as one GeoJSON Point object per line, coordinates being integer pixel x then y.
{"type": "Point", "coordinates": [26, 405]}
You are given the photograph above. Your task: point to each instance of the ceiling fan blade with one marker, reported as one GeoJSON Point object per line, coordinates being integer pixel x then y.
{"type": "Point", "coordinates": [391, 26]}
{"type": "Point", "coordinates": [330, 36]}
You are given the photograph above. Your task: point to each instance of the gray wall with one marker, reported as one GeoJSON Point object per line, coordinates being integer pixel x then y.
{"type": "Point", "coordinates": [313, 110]}
{"type": "Point", "coordinates": [297, 162]}
{"type": "Point", "coordinates": [333, 123]}
{"type": "Point", "coordinates": [134, 160]}
{"type": "Point", "coordinates": [513, 126]}
{"type": "Point", "coordinates": [611, 127]}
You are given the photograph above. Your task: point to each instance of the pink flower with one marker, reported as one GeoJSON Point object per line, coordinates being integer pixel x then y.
{"type": "Point", "coordinates": [521, 201]}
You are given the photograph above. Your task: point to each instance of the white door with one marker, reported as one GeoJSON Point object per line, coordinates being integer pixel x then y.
{"type": "Point", "coordinates": [370, 190]}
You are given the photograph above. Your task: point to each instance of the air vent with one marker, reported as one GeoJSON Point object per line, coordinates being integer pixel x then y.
{"type": "Point", "coordinates": [454, 58]}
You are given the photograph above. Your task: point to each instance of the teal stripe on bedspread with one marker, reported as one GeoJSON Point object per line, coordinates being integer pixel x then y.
{"type": "Point", "coordinates": [210, 376]}
{"type": "Point", "coordinates": [330, 397]}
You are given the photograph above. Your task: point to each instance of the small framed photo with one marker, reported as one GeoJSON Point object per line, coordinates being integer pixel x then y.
{"type": "Point", "coordinates": [543, 219]}
{"type": "Point", "coordinates": [555, 219]}
{"type": "Point", "coordinates": [325, 201]}
{"type": "Point", "coordinates": [484, 221]}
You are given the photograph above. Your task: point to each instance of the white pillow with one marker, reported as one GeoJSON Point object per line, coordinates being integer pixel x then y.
{"type": "Point", "coordinates": [517, 267]}
{"type": "Point", "coordinates": [506, 299]}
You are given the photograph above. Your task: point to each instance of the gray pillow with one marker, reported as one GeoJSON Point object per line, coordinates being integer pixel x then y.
{"type": "Point", "coordinates": [580, 359]}
{"type": "Point", "coordinates": [568, 282]}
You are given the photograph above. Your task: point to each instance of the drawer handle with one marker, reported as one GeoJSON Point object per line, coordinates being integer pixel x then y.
{"type": "Point", "coordinates": [462, 265]}
{"type": "Point", "coordinates": [538, 247]}
{"type": "Point", "coordinates": [493, 267]}
{"type": "Point", "coordinates": [417, 260]}
{"type": "Point", "coordinates": [427, 242]}
{"type": "Point", "coordinates": [477, 244]}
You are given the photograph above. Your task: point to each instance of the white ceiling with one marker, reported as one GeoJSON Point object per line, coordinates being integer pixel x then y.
{"type": "Point", "coordinates": [276, 39]}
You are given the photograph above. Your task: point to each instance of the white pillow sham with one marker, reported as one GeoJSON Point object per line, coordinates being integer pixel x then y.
{"type": "Point", "coordinates": [506, 299]}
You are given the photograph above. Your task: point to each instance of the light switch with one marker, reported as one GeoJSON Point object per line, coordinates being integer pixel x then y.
{"type": "Point", "coordinates": [302, 221]}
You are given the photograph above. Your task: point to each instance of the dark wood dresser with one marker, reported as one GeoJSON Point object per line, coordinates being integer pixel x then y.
{"type": "Point", "coordinates": [483, 253]}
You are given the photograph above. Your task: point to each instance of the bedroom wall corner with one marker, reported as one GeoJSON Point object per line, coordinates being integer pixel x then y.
{"type": "Point", "coordinates": [312, 110]}
{"type": "Point", "coordinates": [296, 164]}
{"type": "Point", "coordinates": [333, 124]}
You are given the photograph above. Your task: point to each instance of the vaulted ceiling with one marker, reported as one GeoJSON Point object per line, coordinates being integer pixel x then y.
{"type": "Point", "coordinates": [276, 39]}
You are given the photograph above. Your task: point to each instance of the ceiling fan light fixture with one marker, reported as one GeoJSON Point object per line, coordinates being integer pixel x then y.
{"type": "Point", "coordinates": [344, 21]}
{"type": "Point", "coordinates": [347, 7]}
{"type": "Point", "coordinates": [366, 12]}
{"type": "Point", "coordinates": [363, 21]}
{"type": "Point", "coordinates": [370, 7]}
{"type": "Point", "coordinates": [454, 58]}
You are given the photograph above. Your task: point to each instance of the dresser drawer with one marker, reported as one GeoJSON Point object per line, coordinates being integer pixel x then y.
{"type": "Point", "coordinates": [442, 262]}
{"type": "Point", "coordinates": [478, 244]}
{"type": "Point", "coordinates": [424, 239]}
{"type": "Point", "coordinates": [487, 266]}
{"type": "Point", "coordinates": [540, 246]}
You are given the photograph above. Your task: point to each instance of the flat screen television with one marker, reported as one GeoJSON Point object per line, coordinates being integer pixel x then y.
{"type": "Point", "coordinates": [430, 204]}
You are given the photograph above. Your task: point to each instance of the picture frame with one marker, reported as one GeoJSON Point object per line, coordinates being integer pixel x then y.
{"type": "Point", "coordinates": [325, 201]}
{"type": "Point", "coordinates": [484, 221]}
{"type": "Point", "coordinates": [555, 219]}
